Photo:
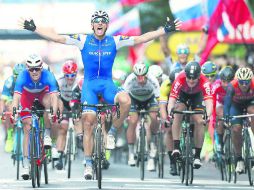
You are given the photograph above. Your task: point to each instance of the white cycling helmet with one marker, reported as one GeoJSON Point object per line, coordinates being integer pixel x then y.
{"type": "Point", "coordinates": [34, 60]}
{"type": "Point", "coordinates": [155, 70]}
{"type": "Point", "coordinates": [140, 69]}
{"type": "Point", "coordinates": [244, 73]}
{"type": "Point", "coordinates": [100, 14]}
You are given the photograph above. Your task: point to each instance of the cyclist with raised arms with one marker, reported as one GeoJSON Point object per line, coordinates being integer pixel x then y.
{"type": "Point", "coordinates": [6, 101]}
{"type": "Point", "coordinates": [239, 96]}
{"type": "Point", "coordinates": [183, 53]}
{"type": "Point", "coordinates": [190, 87]}
{"type": "Point", "coordinates": [35, 82]}
{"type": "Point", "coordinates": [98, 52]}
{"type": "Point", "coordinates": [143, 89]}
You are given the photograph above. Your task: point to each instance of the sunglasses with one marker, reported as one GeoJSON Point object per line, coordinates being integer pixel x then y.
{"type": "Point", "coordinates": [36, 69]}
{"type": "Point", "coordinates": [244, 82]}
{"type": "Point", "coordinates": [99, 19]}
{"type": "Point", "coordinates": [70, 75]}
{"type": "Point", "coordinates": [183, 51]}
{"type": "Point", "coordinates": [210, 76]}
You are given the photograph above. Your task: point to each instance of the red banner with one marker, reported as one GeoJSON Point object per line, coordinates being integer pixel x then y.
{"type": "Point", "coordinates": [133, 2]}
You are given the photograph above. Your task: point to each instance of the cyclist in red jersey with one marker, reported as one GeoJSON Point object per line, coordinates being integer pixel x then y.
{"type": "Point", "coordinates": [240, 96]}
{"type": "Point", "coordinates": [193, 87]}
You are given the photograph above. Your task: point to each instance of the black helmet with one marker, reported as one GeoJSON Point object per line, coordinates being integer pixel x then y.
{"type": "Point", "coordinates": [227, 74]}
{"type": "Point", "coordinates": [173, 74]}
{"type": "Point", "coordinates": [192, 70]}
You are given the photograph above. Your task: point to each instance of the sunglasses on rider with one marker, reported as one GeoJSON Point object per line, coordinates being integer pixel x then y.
{"type": "Point", "coordinates": [36, 69]}
{"type": "Point", "coordinates": [100, 19]}
{"type": "Point", "coordinates": [244, 82]}
{"type": "Point", "coordinates": [210, 76]}
{"type": "Point", "coordinates": [70, 75]}
{"type": "Point", "coordinates": [183, 51]}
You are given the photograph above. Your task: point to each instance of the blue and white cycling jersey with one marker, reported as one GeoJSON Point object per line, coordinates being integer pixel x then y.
{"type": "Point", "coordinates": [46, 82]}
{"type": "Point", "coordinates": [98, 57]}
{"type": "Point", "coordinates": [8, 89]}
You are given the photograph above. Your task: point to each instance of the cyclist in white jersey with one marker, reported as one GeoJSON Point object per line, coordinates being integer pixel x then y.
{"type": "Point", "coordinates": [143, 89]}
{"type": "Point", "coordinates": [65, 84]}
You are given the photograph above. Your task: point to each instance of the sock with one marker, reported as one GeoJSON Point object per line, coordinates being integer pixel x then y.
{"type": "Point", "coordinates": [131, 148]}
{"type": "Point", "coordinates": [26, 162]}
{"type": "Point", "coordinates": [197, 153]}
{"type": "Point", "coordinates": [47, 132]}
{"type": "Point", "coordinates": [89, 161]}
{"type": "Point", "coordinates": [112, 131]}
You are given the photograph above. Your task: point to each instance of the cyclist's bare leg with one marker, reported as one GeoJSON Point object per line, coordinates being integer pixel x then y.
{"type": "Point", "coordinates": [131, 130]}
{"type": "Point", "coordinates": [199, 130]}
{"type": "Point", "coordinates": [237, 139]}
{"type": "Point", "coordinates": [125, 102]}
{"type": "Point", "coordinates": [61, 137]}
{"type": "Point", "coordinates": [26, 128]}
{"type": "Point", "coordinates": [199, 134]}
{"type": "Point", "coordinates": [88, 121]}
{"type": "Point", "coordinates": [176, 126]}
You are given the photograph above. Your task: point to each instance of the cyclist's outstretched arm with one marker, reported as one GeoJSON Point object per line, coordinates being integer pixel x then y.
{"type": "Point", "coordinates": [170, 26]}
{"type": "Point", "coordinates": [47, 33]}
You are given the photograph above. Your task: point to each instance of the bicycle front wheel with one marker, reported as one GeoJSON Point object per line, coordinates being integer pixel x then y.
{"type": "Point", "coordinates": [160, 155]}
{"type": "Point", "coordinates": [33, 158]}
{"type": "Point", "coordinates": [248, 158]}
{"type": "Point", "coordinates": [18, 150]}
{"type": "Point", "coordinates": [142, 153]}
{"type": "Point", "coordinates": [99, 157]}
{"type": "Point", "coordinates": [69, 152]}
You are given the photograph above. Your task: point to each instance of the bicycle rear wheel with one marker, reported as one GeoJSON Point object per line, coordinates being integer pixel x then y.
{"type": "Point", "coordinates": [142, 152]}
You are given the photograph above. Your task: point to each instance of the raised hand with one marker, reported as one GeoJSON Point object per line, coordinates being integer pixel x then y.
{"type": "Point", "coordinates": [171, 25]}
{"type": "Point", "coordinates": [27, 24]}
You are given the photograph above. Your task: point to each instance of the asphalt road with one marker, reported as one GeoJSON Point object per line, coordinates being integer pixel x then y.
{"type": "Point", "coordinates": [118, 176]}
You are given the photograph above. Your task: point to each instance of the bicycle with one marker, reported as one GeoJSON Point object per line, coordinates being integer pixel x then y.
{"type": "Point", "coordinates": [161, 149]}
{"type": "Point", "coordinates": [247, 146]}
{"type": "Point", "coordinates": [17, 148]}
{"type": "Point", "coordinates": [141, 142]}
{"type": "Point", "coordinates": [186, 164]}
{"type": "Point", "coordinates": [70, 148]}
{"type": "Point", "coordinates": [230, 163]}
{"type": "Point", "coordinates": [36, 151]}
{"type": "Point", "coordinates": [98, 153]}
{"type": "Point", "coordinates": [219, 158]}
